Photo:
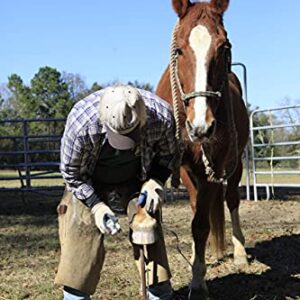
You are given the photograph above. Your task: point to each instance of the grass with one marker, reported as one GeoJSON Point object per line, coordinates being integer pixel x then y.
{"type": "Point", "coordinates": [4, 183]}
{"type": "Point", "coordinates": [295, 179]}
{"type": "Point", "coordinates": [30, 252]}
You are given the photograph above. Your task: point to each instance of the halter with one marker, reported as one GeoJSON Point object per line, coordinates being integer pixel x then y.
{"type": "Point", "coordinates": [186, 97]}
{"type": "Point", "coordinates": [175, 82]}
{"type": "Point", "coordinates": [175, 52]}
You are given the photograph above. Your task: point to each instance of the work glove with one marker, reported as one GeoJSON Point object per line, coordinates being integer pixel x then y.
{"type": "Point", "coordinates": [153, 191]}
{"type": "Point", "coordinates": [105, 219]}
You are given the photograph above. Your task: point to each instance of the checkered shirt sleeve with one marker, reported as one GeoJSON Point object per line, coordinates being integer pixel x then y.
{"type": "Point", "coordinates": [159, 133]}
{"type": "Point", "coordinates": [79, 147]}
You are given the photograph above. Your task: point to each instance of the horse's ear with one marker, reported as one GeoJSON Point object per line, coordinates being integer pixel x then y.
{"type": "Point", "coordinates": [219, 5]}
{"type": "Point", "coordinates": [180, 7]}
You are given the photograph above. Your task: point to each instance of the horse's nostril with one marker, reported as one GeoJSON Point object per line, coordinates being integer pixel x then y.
{"type": "Point", "coordinates": [189, 125]}
{"type": "Point", "coordinates": [213, 124]}
{"type": "Point", "coordinates": [211, 129]}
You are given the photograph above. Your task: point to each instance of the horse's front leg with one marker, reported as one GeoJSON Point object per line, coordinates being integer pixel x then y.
{"type": "Point", "coordinates": [200, 232]}
{"type": "Point", "coordinates": [233, 203]}
{"type": "Point", "coordinates": [188, 183]}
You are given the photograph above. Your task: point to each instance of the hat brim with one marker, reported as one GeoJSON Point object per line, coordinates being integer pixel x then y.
{"type": "Point", "coordinates": [118, 141]}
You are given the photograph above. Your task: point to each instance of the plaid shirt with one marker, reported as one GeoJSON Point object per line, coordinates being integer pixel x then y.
{"type": "Point", "coordinates": [84, 137]}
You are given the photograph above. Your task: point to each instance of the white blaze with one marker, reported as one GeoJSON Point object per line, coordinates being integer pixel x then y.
{"type": "Point", "coordinates": [200, 41]}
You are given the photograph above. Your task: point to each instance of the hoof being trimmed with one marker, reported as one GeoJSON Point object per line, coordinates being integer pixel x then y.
{"type": "Point", "coordinates": [241, 261]}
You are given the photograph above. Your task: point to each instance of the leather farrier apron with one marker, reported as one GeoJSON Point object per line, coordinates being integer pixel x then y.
{"type": "Point", "coordinates": [82, 249]}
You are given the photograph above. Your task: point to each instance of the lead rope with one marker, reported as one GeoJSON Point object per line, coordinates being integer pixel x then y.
{"type": "Point", "coordinates": [166, 229]}
{"type": "Point", "coordinates": [212, 177]}
{"type": "Point", "coordinates": [175, 182]}
{"type": "Point", "coordinates": [173, 80]}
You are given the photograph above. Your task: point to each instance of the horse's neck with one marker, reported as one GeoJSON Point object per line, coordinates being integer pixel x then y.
{"type": "Point", "coordinates": [224, 113]}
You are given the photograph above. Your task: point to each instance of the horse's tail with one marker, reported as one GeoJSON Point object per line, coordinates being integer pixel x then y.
{"type": "Point", "coordinates": [217, 222]}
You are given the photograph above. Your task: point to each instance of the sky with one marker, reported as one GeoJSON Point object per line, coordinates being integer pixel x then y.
{"type": "Point", "coordinates": [119, 40]}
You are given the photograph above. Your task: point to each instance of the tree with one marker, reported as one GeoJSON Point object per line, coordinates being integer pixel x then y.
{"type": "Point", "coordinates": [291, 134]}
{"type": "Point", "coordinates": [5, 95]}
{"type": "Point", "coordinates": [95, 87]}
{"type": "Point", "coordinates": [20, 99]}
{"type": "Point", "coordinates": [77, 87]}
{"type": "Point", "coordinates": [264, 137]}
{"type": "Point", "coordinates": [2, 101]}
{"type": "Point", "coordinates": [274, 138]}
{"type": "Point", "coordinates": [50, 94]}
{"type": "Point", "coordinates": [142, 85]}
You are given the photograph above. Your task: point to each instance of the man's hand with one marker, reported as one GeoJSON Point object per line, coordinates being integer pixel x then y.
{"type": "Point", "coordinates": [105, 219]}
{"type": "Point", "coordinates": [154, 191]}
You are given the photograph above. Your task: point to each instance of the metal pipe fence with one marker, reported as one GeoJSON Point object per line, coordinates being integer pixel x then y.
{"type": "Point", "coordinates": [275, 124]}
{"type": "Point", "coordinates": [245, 96]}
{"type": "Point", "coordinates": [30, 148]}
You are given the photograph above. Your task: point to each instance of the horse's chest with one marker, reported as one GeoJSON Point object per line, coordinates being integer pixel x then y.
{"type": "Point", "coordinates": [192, 160]}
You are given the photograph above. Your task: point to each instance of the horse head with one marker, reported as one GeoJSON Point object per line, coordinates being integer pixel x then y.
{"type": "Point", "coordinates": [202, 56]}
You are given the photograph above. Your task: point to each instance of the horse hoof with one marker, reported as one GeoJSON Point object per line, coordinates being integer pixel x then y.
{"type": "Point", "coordinates": [241, 261]}
{"type": "Point", "coordinates": [198, 294]}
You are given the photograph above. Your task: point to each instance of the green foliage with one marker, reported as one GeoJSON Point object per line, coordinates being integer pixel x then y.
{"type": "Point", "coordinates": [144, 86]}
{"type": "Point", "coordinates": [261, 136]}
{"type": "Point", "coordinates": [19, 103]}
{"type": "Point", "coordinates": [95, 87]}
{"type": "Point", "coordinates": [269, 137]}
{"type": "Point", "coordinates": [50, 95]}
{"type": "Point", "coordinates": [77, 87]}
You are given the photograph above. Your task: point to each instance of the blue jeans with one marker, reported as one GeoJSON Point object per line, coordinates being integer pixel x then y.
{"type": "Point", "coordinates": [72, 294]}
{"type": "Point", "coordinates": [162, 291]}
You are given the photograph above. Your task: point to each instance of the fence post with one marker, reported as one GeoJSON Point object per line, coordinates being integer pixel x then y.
{"type": "Point", "coordinates": [244, 69]}
{"type": "Point", "coordinates": [26, 154]}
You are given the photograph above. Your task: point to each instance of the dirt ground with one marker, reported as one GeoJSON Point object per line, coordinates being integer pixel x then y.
{"type": "Point", "coordinates": [272, 231]}
{"type": "Point", "coordinates": [29, 253]}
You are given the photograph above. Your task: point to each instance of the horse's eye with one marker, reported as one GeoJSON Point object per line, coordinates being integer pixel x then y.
{"type": "Point", "coordinates": [178, 51]}
{"type": "Point", "coordinates": [223, 53]}
{"type": "Point", "coordinates": [223, 50]}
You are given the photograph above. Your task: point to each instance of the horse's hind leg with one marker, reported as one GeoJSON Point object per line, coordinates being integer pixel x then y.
{"type": "Point", "coordinates": [233, 203]}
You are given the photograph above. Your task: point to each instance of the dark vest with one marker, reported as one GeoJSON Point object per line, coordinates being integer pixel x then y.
{"type": "Point", "coordinates": [116, 177]}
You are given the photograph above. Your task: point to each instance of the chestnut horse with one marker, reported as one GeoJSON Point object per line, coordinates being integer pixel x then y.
{"type": "Point", "coordinates": [213, 126]}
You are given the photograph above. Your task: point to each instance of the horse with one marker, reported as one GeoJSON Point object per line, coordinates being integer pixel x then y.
{"type": "Point", "coordinates": [212, 125]}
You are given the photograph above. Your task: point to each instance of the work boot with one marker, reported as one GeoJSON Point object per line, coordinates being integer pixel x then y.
{"type": "Point", "coordinates": [161, 291]}
{"type": "Point", "coordinates": [72, 294]}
